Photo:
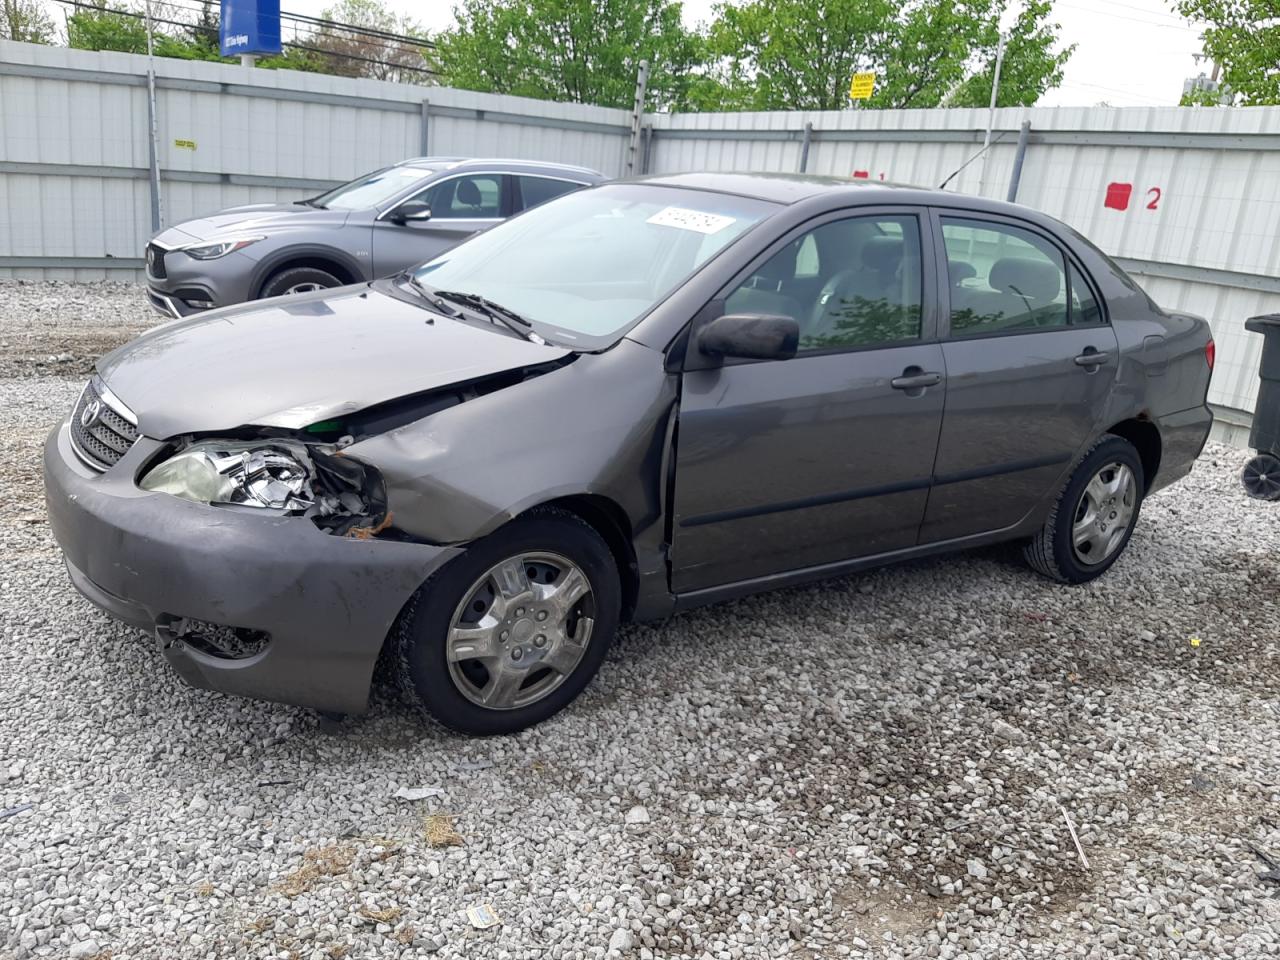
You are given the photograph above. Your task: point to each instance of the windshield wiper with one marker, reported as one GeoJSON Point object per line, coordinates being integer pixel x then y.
{"type": "Point", "coordinates": [429, 294]}
{"type": "Point", "coordinates": [310, 202]}
{"type": "Point", "coordinates": [494, 311]}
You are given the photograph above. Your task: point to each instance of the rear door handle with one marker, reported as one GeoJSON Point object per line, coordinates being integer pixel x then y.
{"type": "Point", "coordinates": [915, 381]}
{"type": "Point", "coordinates": [1092, 358]}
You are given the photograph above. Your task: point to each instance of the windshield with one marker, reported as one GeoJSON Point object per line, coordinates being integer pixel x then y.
{"type": "Point", "coordinates": [373, 188]}
{"type": "Point", "coordinates": [586, 266]}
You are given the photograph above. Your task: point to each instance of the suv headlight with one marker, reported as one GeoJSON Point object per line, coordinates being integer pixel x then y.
{"type": "Point", "coordinates": [252, 474]}
{"type": "Point", "coordinates": [218, 248]}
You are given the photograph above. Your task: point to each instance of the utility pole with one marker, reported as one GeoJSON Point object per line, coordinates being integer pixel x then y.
{"type": "Point", "coordinates": [991, 113]}
{"type": "Point", "coordinates": [637, 118]}
{"type": "Point", "coordinates": [157, 215]}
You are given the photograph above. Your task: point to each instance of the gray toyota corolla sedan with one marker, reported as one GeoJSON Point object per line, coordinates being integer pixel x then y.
{"type": "Point", "coordinates": [374, 226]}
{"type": "Point", "coordinates": [631, 400]}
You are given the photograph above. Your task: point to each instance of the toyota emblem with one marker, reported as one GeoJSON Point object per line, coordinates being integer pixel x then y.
{"type": "Point", "coordinates": [89, 416]}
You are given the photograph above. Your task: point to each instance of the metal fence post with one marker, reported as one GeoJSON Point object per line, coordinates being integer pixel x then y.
{"type": "Point", "coordinates": [648, 148]}
{"type": "Point", "coordinates": [1016, 176]}
{"type": "Point", "coordinates": [804, 147]}
{"type": "Point", "coordinates": [153, 142]}
{"type": "Point", "coordinates": [424, 131]}
{"type": "Point", "coordinates": [637, 117]}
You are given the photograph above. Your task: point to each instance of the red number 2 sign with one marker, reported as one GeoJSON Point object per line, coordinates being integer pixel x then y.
{"type": "Point", "coordinates": [1153, 198]}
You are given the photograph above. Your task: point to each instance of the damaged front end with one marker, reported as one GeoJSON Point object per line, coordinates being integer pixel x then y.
{"type": "Point", "coordinates": [290, 477]}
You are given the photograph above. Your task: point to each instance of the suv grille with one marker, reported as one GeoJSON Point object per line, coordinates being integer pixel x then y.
{"type": "Point", "coordinates": [155, 261]}
{"type": "Point", "coordinates": [102, 430]}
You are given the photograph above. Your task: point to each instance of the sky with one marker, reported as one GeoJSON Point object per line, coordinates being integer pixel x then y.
{"type": "Point", "coordinates": [1128, 53]}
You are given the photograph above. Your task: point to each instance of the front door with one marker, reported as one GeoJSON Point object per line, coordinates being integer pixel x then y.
{"type": "Point", "coordinates": [460, 206]}
{"type": "Point", "coordinates": [1030, 362]}
{"type": "Point", "coordinates": [787, 464]}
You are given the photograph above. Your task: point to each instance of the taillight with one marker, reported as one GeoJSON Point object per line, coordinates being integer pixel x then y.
{"type": "Point", "coordinates": [1210, 353]}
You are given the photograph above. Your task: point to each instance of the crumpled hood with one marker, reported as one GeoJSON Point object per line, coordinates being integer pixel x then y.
{"type": "Point", "coordinates": [247, 219]}
{"type": "Point", "coordinates": [292, 361]}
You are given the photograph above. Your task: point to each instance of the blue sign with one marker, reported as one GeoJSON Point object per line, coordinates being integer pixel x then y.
{"type": "Point", "coordinates": [250, 26]}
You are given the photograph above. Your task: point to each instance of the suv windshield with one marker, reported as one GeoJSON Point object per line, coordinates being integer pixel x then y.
{"type": "Point", "coordinates": [373, 188]}
{"type": "Point", "coordinates": [588, 265]}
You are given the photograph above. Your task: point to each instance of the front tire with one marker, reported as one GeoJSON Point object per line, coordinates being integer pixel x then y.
{"type": "Point", "coordinates": [510, 633]}
{"type": "Point", "coordinates": [298, 280]}
{"type": "Point", "coordinates": [1093, 519]}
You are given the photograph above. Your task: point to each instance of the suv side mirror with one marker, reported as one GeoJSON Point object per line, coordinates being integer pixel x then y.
{"type": "Point", "coordinates": [410, 210]}
{"type": "Point", "coordinates": [752, 336]}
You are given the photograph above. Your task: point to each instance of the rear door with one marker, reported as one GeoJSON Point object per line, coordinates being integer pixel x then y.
{"type": "Point", "coordinates": [787, 464]}
{"type": "Point", "coordinates": [1030, 361]}
{"type": "Point", "coordinates": [461, 205]}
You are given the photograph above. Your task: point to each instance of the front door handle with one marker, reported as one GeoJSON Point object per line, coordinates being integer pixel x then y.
{"type": "Point", "coordinates": [911, 380]}
{"type": "Point", "coordinates": [1092, 358]}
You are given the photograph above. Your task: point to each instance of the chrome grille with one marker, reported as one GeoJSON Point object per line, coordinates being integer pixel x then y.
{"type": "Point", "coordinates": [155, 261]}
{"type": "Point", "coordinates": [102, 430]}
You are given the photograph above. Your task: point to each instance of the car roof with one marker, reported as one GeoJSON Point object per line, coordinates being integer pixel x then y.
{"type": "Point", "coordinates": [504, 164]}
{"type": "Point", "coordinates": [790, 188]}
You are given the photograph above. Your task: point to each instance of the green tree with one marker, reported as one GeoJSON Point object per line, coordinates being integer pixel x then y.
{"type": "Point", "coordinates": [583, 51]}
{"type": "Point", "coordinates": [25, 20]}
{"type": "Point", "coordinates": [1243, 38]}
{"type": "Point", "coordinates": [126, 32]}
{"type": "Point", "coordinates": [800, 54]}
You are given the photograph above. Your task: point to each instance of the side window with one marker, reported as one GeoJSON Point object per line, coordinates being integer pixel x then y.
{"type": "Point", "coordinates": [476, 196]}
{"type": "Point", "coordinates": [1084, 308]}
{"type": "Point", "coordinates": [1002, 278]}
{"type": "Point", "coordinates": [536, 190]}
{"type": "Point", "coordinates": [849, 283]}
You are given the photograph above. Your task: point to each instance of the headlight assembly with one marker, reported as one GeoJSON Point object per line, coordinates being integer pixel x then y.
{"type": "Point", "coordinates": [251, 474]}
{"type": "Point", "coordinates": [218, 248]}
{"type": "Point", "coordinates": [340, 494]}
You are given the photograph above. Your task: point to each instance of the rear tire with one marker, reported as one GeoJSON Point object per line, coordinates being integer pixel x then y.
{"type": "Point", "coordinates": [510, 632]}
{"type": "Point", "coordinates": [298, 280]}
{"type": "Point", "coordinates": [1094, 516]}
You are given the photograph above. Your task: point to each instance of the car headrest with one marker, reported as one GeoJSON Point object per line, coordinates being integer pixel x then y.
{"type": "Point", "coordinates": [1037, 280]}
{"type": "Point", "coordinates": [961, 270]}
{"type": "Point", "coordinates": [883, 254]}
{"type": "Point", "coordinates": [469, 193]}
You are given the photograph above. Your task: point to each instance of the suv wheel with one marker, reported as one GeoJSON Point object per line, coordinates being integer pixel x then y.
{"type": "Point", "coordinates": [510, 632]}
{"type": "Point", "coordinates": [1091, 523]}
{"type": "Point", "coordinates": [298, 280]}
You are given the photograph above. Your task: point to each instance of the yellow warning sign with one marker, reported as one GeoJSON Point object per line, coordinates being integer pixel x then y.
{"type": "Point", "coordinates": [862, 86]}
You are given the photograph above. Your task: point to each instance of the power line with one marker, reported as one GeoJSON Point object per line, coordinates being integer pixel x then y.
{"type": "Point", "coordinates": [372, 32]}
{"type": "Point", "coordinates": [81, 4]}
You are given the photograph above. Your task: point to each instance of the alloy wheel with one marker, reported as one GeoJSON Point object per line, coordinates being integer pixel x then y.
{"type": "Point", "coordinates": [520, 631]}
{"type": "Point", "coordinates": [308, 287]}
{"type": "Point", "coordinates": [1104, 514]}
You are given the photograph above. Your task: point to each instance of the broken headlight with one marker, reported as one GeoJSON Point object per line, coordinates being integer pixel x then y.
{"type": "Point", "coordinates": [339, 493]}
{"type": "Point", "coordinates": [252, 474]}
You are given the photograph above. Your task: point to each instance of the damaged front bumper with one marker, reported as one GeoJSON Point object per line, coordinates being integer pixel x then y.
{"type": "Point", "coordinates": [307, 611]}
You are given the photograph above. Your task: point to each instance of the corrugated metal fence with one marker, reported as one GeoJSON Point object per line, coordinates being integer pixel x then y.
{"type": "Point", "coordinates": [1186, 199]}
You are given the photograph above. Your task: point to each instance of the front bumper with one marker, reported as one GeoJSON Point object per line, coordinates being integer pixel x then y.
{"type": "Point", "coordinates": [193, 286]}
{"type": "Point", "coordinates": [151, 560]}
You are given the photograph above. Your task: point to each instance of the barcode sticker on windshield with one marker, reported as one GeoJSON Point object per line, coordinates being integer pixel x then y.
{"type": "Point", "coordinates": [694, 220]}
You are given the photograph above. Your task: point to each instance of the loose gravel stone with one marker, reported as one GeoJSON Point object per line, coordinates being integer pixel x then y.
{"type": "Point", "coordinates": [825, 771]}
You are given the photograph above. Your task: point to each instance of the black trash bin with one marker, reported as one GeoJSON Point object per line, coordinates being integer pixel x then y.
{"type": "Point", "coordinates": [1261, 477]}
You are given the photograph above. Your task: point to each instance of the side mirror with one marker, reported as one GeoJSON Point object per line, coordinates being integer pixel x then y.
{"type": "Point", "coordinates": [752, 336]}
{"type": "Point", "coordinates": [410, 210]}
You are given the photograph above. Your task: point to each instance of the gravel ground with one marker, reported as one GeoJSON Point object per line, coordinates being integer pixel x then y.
{"type": "Point", "coordinates": [874, 767]}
